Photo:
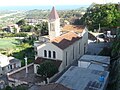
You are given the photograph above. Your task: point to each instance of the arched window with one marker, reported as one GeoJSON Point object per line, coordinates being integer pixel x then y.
{"type": "Point", "coordinates": [49, 54]}
{"type": "Point", "coordinates": [45, 53]}
{"type": "Point", "coordinates": [52, 27]}
{"type": "Point", "coordinates": [54, 54]}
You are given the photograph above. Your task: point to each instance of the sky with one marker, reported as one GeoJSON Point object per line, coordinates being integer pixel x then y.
{"type": "Point", "coordinates": [51, 2]}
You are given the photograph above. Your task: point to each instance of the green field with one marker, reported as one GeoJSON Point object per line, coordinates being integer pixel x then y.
{"type": "Point", "coordinates": [8, 43]}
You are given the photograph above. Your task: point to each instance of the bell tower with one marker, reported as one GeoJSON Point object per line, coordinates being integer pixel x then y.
{"type": "Point", "coordinates": [54, 24]}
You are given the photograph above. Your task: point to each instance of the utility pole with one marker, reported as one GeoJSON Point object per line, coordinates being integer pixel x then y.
{"type": "Point", "coordinates": [26, 65]}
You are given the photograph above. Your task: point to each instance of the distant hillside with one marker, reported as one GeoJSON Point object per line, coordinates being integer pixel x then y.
{"type": "Point", "coordinates": [6, 12]}
{"type": "Point", "coordinates": [10, 17]}
{"type": "Point", "coordinates": [64, 14]}
{"type": "Point", "coordinates": [6, 16]}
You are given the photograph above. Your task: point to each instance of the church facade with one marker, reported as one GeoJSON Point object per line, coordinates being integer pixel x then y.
{"type": "Point", "coordinates": [64, 48]}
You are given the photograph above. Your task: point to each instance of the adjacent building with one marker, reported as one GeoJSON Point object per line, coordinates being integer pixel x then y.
{"type": "Point", "coordinates": [77, 78]}
{"type": "Point", "coordinates": [13, 28]}
{"type": "Point", "coordinates": [95, 62]}
{"type": "Point", "coordinates": [34, 21]}
{"type": "Point", "coordinates": [8, 64]}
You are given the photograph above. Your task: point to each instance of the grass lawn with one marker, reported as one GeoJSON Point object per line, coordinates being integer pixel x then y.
{"type": "Point", "coordinates": [11, 46]}
{"type": "Point", "coordinates": [8, 43]}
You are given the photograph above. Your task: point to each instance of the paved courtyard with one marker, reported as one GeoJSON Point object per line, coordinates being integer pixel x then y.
{"type": "Point", "coordinates": [30, 77]}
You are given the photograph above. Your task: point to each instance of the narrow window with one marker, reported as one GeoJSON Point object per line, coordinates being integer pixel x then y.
{"type": "Point", "coordinates": [45, 53]}
{"type": "Point", "coordinates": [66, 58]}
{"type": "Point", "coordinates": [52, 28]}
{"type": "Point", "coordinates": [73, 52]}
{"type": "Point", "coordinates": [84, 48]}
{"type": "Point", "coordinates": [49, 54]}
{"type": "Point", "coordinates": [54, 54]}
{"type": "Point", "coordinates": [79, 48]}
{"type": "Point", "coordinates": [10, 66]}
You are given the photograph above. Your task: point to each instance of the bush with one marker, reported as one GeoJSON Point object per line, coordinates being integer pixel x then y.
{"type": "Point", "coordinates": [8, 88]}
{"type": "Point", "coordinates": [16, 34]}
{"type": "Point", "coordinates": [47, 69]}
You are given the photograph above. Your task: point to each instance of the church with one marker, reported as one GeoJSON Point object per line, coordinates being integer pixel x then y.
{"type": "Point", "coordinates": [64, 45]}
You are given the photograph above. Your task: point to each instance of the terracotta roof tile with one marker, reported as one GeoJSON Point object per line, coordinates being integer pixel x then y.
{"type": "Point", "coordinates": [40, 60]}
{"type": "Point", "coordinates": [54, 86]}
{"type": "Point", "coordinates": [75, 28]}
{"type": "Point", "coordinates": [65, 40]}
{"type": "Point", "coordinates": [53, 14]}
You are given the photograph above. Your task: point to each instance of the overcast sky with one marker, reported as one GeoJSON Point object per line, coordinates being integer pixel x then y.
{"type": "Point", "coordinates": [51, 2]}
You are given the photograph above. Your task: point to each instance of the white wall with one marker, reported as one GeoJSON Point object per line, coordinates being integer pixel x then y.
{"type": "Point", "coordinates": [83, 64]}
{"type": "Point", "coordinates": [84, 41]}
{"type": "Point", "coordinates": [56, 32]}
{"type": "Point", "coordinates": [50, 47]}
{"type": "Point", "coordinates": [18, 65]}
{"type": "Point", "coordinates": [70, 54]}
{"type": "Point", "coordinates": [3, 60]}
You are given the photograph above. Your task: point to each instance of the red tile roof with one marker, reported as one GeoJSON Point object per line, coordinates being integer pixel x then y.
{"type": "Point", "coordinates": [40, 60]}
{"type": "Point", "coordinates": [53, 86]}
{"type": "Point", "coordinates": [65, 40]}
{"type": "Point", "coordinates": [53, 14]}
{"type": "Point", "coordinates": [75, 28]}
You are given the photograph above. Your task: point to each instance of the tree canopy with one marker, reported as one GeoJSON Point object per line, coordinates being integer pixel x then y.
{"type": "Point", "coordinates": [21, 22]}
{"type": "Point", "coordinates": [107, 15]}
{"type": "Point", "coordinates": [47, 69]}
{"type": "Point", "coordinates": [41, 29]}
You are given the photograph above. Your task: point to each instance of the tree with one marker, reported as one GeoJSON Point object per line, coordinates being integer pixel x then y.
{"type": "Point", "coordinates": [8, 88]}
{"type": "Point", "coordinates": [21, 22]}
{"type": "Point", "coordinates": [14, 30]}
{"type": "Point", "coordinates": [107, 15]}
{"type": "Point", "coordinates": [44, 28]}
{"type": "Point", "coordinates": [47, 69]}
{"type": "Point", "coordinates": [26, 28]}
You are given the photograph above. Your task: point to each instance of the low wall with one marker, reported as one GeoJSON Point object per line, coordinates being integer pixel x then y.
{"type": "Point", "coordinates": [55, 76]}
{"type": "Point", "coordinates": [16, 82]}
{"type": "Point", "coordinates": [10, 73]}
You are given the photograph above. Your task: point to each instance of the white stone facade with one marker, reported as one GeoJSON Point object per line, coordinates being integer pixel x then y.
{"type": "Point", "coordinates": [7, 64]}
{"type": "Point", "coordinates": [54, 28]}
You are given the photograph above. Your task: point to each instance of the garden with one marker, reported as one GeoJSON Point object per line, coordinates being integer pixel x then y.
{"type": "Point", "coordinates": [18, 48]}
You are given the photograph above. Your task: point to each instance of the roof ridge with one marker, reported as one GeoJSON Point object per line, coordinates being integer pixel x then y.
{"type": "Point", "coordinates": [62, 36]}
{"type": "Point", "coordinates": [68, 38]}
